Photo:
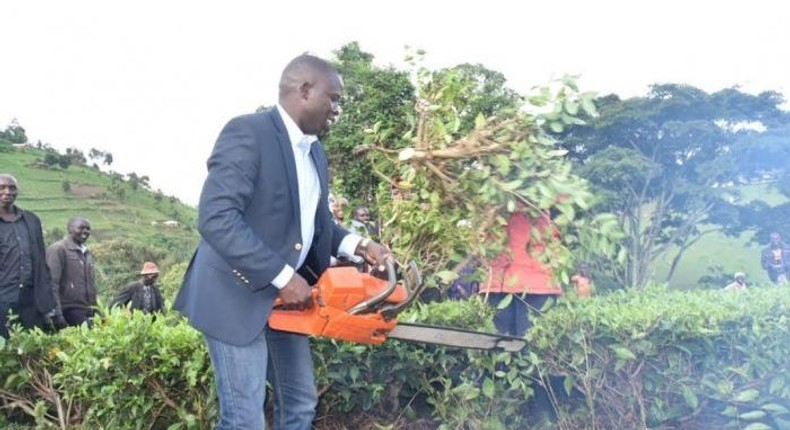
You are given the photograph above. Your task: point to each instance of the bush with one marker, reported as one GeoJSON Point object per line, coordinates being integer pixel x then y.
{"type": "Point", "coordinates": [670, 359]}
{"type": "Point", "coordinates": [634, 359]}
{"type": "Point", "coordinates": [131, 371]}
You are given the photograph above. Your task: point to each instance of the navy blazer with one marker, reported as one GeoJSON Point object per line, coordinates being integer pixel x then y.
{"type": "Point", "coordinates": [250, 227]}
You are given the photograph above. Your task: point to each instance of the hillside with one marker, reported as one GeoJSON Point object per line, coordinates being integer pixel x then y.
{"type": "Point", "coordinates": [128, 222]}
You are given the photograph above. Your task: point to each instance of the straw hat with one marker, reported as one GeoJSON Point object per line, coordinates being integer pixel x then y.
{"type": "Point", "coordinates": [149, 268]}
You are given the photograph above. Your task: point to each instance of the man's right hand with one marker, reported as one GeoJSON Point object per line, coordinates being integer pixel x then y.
{"type": "Point", "coordinates": [297, 294]}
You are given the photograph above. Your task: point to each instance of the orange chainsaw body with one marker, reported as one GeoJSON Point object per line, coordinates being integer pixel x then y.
{"type": "Point", "coordinates": [336, 309]}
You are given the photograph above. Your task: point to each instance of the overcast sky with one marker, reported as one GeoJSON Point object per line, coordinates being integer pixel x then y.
{"type": "Point", "coordinates": [154, 81]}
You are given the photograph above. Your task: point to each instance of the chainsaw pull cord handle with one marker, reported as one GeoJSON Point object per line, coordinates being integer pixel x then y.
{"type": "Point", "coordinates": [392, 282]}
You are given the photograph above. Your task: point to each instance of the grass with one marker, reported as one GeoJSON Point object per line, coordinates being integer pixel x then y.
{"type": "Point", "coordinates": [136, 215]}
{"type": "Point", "coordinates": [733, 254]}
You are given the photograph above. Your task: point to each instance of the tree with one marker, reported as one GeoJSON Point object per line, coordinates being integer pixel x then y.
{"type": "Point", "coordinates": [663, 163]}
{"type": "Point", "coordinates": [14, 133]}
{"type": "Point", "coordinates": [486, 93]}
{"type": "Point", "coordinates": [447, 195]}
{"type": "Point", "coordinates": [372, 95]}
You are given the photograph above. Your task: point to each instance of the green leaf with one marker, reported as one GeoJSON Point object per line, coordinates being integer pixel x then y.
{"type": "Point", "coordinates": [774, 408]}
{"type": "Point", "coordinates": [489, 389]}
{"type": "Point", "coordinates": [622, 352]}
{"type": "Point", "coordinates": [747, 396]}
{"type": "Point", "coordinates": [480, 120]}
{"type": "Point", "coordinates": [691, 399]}
{"type": "Point", "coordinates": [753, 415]}
{"type": "Point", "coordinates": [758, 426]}
{"type": "Point", "coordinates": [567, 384]}
{"type": "Point", "coordinates": [571, 107]}
{"type": "Point", "coordinates": [505, 302]}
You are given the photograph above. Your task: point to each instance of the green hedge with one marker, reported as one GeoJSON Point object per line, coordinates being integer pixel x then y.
{"type": "Point", "coordinates": [639, 359]}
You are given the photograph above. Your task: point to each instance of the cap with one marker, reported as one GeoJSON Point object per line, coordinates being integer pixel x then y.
{"type": "Point", "coordinates": [739, 275]}
{"type": "Point", "coordinates": [149, 268]}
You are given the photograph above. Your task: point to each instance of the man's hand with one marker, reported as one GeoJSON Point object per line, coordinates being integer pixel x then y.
{"type": "Point", "coordinates": [296, 294]}
{"type": "Point", "coordinates": [374, 253]}
{"type": "Point", "coordinates": [55, 318]}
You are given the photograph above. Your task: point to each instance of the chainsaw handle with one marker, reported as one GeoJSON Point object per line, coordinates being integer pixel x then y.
{"type": "Point", "coordinates": [414, 285]}
{"type": "Point", "coordinates": [316, 299]}
{"type": "Point", "coordinates": [392, 282]}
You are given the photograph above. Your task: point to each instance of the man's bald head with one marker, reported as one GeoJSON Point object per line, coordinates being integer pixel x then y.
{"type": "Point", "coordinates": [7, 177]}
{"type": "Point", "coordinates": [303, 69]}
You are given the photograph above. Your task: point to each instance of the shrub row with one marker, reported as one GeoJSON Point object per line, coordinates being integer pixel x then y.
{"type": "Point", "coordinates": [639, 359]}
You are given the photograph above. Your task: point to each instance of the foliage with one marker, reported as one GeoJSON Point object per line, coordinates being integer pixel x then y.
{"type": "Point", "coordinates": [659, 358]}
{"type": "Point", "coordinates": [131, 371]}
{"type": "Point", "coordinates": [14, 133]}
{"type": "Point", "coordinates": [449, 194]}
{"type": "Point", "coordinates": [371, 95]}
{"type": "Point", "coordinates": [649, 358]}
{"type": "Point", "coordinates": [170, 280]}
{"type": "Point", "coordinates": [118, 261]}
{"type": "Point", "coordinates": [665, 164]}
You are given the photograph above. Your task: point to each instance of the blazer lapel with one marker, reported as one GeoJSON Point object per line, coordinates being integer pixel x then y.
{"type": "Point", "coordinates": [288, 155]}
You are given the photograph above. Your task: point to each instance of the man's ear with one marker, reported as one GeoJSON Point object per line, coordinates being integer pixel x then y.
{"type": "Point", "coordinates": [304, 90]}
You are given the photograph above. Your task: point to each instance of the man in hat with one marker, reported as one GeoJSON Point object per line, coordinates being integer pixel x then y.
{"type": "Point", "coordinates": [738, 284]}
{"type": "Point", "coordinates": [143, 295]}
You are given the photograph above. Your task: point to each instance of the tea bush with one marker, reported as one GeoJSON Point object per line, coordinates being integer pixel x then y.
{"type": "Point", "coordinates": [633, 359]}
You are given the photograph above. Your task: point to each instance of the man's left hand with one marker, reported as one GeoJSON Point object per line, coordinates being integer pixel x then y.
{"type": "Point", "coordinates": [374, 254]}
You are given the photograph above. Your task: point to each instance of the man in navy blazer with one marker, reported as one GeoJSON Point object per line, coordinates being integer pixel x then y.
{"type": "Point", "coordinates": [267, 232]}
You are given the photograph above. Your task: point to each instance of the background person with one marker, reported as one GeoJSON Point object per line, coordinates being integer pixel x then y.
{"type": "Point", "coordinates": [775, 259]}
{"type": "Point", "coordinates": [25, 285]}
{"type": "Point", "coordinates": [582, 282]}
{"type": "Point", "coordinates": [739, 282]}
{"type": "Point", "coordinates": [516, 273]}
{"type": "Point", "coordinates": [71, 267]}
{"type": "Point", "coordinates": [143, 295]}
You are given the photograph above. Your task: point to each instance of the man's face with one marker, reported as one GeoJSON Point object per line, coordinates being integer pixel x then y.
{"type": "Point", "coordinates": [362, 215]}
{"type": "Point", "coordinates": [8, 192]}
{"type": "Point", "coordinates": [80, 230]}
{"type": "Point", "coordinates": [321, 103]}
{"type": "Point", "coordinates": [776, 239]}
{"type": "Point", "coordinates": [150, 278]}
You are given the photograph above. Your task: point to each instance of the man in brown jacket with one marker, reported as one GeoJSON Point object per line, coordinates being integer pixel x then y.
{"type": "Point", "coordinates": [71, 267]}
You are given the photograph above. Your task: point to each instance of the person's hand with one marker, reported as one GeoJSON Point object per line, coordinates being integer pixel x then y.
{"type": "Point", "coordinates": [374, 254]}
{"type": "Point", "coordinates": [55, 318]}
{"type": "Point", "coordinates": [296, 294]}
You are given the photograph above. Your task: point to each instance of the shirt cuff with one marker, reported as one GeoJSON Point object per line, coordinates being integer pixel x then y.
{"type": "Point", "coordinates": [348, 245]}
{"type": "Point", "coordinates": [283, 277]}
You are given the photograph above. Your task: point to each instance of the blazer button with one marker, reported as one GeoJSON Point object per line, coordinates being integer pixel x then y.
{"type": "Point", "coordinates": [298, 247]}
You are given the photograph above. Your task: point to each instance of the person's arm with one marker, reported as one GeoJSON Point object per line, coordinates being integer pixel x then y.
{"type": "Point", "coordinates": [230, 186]}
{"type": "Point", "coordinates": [55, 259]}
{"type": "Point", "coordinates": [123, 298]}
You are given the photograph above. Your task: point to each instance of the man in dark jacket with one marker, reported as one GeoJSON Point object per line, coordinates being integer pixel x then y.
{"type": "Point", "coordinates": [143, 295]}
{"type": "Point", "coordinates": [24, 278]}
{"type": "Point", "coordinates": [267, 233]}
{"type": "Point", "coordinates": [775, 259]}
{"type": "Point", "coordinates": [71, 266]}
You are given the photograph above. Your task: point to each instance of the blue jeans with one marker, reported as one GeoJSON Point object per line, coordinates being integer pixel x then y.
{"type": "Point", "coordinates": [240, 373]}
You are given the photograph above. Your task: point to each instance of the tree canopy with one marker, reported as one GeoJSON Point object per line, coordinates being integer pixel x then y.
{"type": "Point", "coordinates": [665, 163]}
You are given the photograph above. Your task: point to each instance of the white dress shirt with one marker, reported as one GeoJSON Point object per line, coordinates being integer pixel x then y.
{"type": "Point", "coordinates": [309, 195]}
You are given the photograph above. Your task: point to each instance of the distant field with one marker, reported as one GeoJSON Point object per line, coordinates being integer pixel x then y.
{"type": "Point", "coordinates": [733, 254]}
{"type": "Point", "coordinates": [90, 195]}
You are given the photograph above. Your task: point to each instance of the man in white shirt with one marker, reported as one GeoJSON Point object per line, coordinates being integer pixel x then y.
{"type": "Point", "coordinates": [267, 232]}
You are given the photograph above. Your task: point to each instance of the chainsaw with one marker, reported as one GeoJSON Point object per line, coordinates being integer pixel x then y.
{"type": "Point", "coordinates": [358, 307]}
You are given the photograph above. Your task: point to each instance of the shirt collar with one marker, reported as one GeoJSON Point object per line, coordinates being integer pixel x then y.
{"type": "Point", "coordinates": [295, 134]}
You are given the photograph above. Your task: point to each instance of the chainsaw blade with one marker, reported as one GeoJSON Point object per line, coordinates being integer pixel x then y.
{"type": "Point", "coordinates": [461, 338]}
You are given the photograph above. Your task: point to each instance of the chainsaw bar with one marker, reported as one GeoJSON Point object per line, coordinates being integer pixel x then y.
{"type": "Point", "coordinates": [461, 338]}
